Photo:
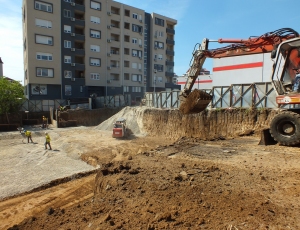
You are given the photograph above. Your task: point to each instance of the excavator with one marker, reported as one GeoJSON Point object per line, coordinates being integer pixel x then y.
{"type": "Point", "coordinates": [284, 46]}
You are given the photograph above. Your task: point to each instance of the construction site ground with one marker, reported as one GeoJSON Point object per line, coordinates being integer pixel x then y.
{"type": "Point", "coordinates": [93, 181]}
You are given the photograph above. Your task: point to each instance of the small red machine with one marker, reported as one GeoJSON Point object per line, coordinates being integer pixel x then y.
{"type": "Point", "coordinates": [119, 129]}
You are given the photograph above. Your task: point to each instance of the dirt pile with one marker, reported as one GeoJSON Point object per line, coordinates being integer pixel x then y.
{"type": "Point", "coordinates": [134, 120]}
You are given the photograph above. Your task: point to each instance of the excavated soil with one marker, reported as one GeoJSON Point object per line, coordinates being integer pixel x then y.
{"type": "Point", "coordinates": [216, 180]}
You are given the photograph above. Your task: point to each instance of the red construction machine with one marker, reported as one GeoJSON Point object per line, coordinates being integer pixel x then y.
{"type": "Point", "coordinates": [284, 46]}
{"type": "Point", "coordinates": [119, 129]}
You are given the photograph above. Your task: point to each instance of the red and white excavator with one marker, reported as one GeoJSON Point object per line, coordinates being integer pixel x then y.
{"type": "Point", "coordinates": [284, 46]}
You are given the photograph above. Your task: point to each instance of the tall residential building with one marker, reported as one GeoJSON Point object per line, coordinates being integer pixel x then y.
{"type": "Point", "coordinates": [75, 48]}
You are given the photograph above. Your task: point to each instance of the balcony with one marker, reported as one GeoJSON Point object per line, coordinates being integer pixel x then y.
{"type": "Point", "coordinates": [169, 63]}
{"type": "Point", "coordinates": [170, 42]}
{"type": "Point", "coordinates": [170, 31]}
{"type": "Point", "coordinates": [169, 74]}
{"type": "Point", "coordinates": [78, 6]}
{"type": "Point", "coordinates": [170, 52]}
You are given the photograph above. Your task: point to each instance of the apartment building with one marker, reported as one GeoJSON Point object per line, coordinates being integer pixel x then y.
{"type": "Point", "coordinates": [75, 48]}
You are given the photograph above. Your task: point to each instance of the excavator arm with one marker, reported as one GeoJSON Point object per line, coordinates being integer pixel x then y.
{"type": "Point", "coordinates": [197, 100]}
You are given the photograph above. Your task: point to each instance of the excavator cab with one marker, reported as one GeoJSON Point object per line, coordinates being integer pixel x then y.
{"type": "Point", "coordinates": [283, 77]}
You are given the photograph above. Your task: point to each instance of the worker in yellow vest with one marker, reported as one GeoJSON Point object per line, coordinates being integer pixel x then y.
{"type": "Point", "coordinates": [48, 139]}
{"type": "Point", "coordinates": [28, 135]}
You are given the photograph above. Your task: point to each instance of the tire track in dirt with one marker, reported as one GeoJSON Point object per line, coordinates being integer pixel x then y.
{"type": "Point", "coordinates": [17, 209]}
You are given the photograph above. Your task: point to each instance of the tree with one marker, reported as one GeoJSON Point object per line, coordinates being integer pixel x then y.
{"type": "Point", "coordinates": [11, 96]}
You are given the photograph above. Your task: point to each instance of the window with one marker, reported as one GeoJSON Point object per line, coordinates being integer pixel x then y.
{"type": "Point", "coordinates": [38, 89]}
{"type": "Point", "coordinates": [126, 64]}
{"type": "Point", "coordinates": [136, 77]}
{"type": "Point", "coordinates": [134, 53]}
{"type": "Point", "coordinates": [136, 28]}
{"type": "Point", "coordinates": [95, 19]}
{"type": "Point", "coordinates": [134, 15]}
{"type": "Point", "coordinates": [126, 51]}
{"type": "Point", "coordinates": [67, 59]}
{"type": "Point", "coordinates": [159, 79]}
{"type": "Point", "coordinates": [95, 5]}
{"type": "Point", "coordinates": [68, 74]}
{"type": "Point", "coordinates": [127, 13]}
{"type": "Point", "coordinates": [44, 56]}
{"type": "Point", "coordinates": [41, 39]}
{"type": "Point", "coordinates": [95, 61]}
{"type": "Point", "coordinates": [95, 76]}
{"type": "Point", "coordinates": [136, 89]}
{"type": "Point", "coordinates": [159, 56]}
{"type": "Point", "coordinates": [126, 89]}
{"type": "Point", "coordinates": [126, 76]}
{"type": "Point", "coordinates": [134, 65]}
{"type": "Point", "coordinates": [67, 29]}
{"type": "Point", "coordinates": [43, 6]}
{"type": "Point", "coordinates": [160, 34]}
{"type": "Point", "coordinates": [81, 89]}
{"type": "Point", "coordinates": [95, 48]}
{"type": "Point", "coordinates": [159, 68]}
{"type": "Point", "coordinates": [159, 45]}
{"type": "Point", "coordinates": [67, 13]}
{"type": "Point", "coordinates": [43, 23]}
{"type": "Point", "coordinates": [95, 34]}
{"type": "Point", "coordinates": [126, 38]}
{"type": "Point", "coordinates": [159, 22]}
{"type": "Point", "coordinates": [68, 0]}
{"type": "Point", "coordinates": [67, 44]}
{"type": "Point", "coordinates": [68, 90]}
{"type": "Point", "coordinates": [44, 72]}
{"type": "Point", "coordinates": [134, 40]}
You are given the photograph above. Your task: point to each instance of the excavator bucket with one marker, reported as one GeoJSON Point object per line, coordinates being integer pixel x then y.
{"type": "Point", "coordinates": [195, 102]}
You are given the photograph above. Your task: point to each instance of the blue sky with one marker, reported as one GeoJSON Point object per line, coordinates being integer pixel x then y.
{"type": "Point", "coordinates": [196, 19]}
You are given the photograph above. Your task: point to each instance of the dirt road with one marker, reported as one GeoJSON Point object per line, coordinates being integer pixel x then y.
{"type": "Point", "coordinates": [156, 183]}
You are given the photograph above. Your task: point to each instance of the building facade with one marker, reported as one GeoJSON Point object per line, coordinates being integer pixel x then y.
{"type": "Point", "coordinates": [76, 48]}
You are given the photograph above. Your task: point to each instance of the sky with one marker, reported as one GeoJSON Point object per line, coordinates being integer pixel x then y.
{"type": "Point", "coordinates": [196, 19]}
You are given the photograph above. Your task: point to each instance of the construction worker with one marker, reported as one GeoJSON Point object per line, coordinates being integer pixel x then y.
{"type": "Point", "coordinates": [28, 135]}
{"type": "Point", "coordinates": [47, 142]}
{"type": "Point", "coordinates": [44, 122]}
{"type": "Point", "coordinates": [297, 80]}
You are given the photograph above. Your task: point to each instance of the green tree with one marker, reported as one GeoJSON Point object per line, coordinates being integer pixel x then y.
{"type": "Point", "coordinates": [11, 96]}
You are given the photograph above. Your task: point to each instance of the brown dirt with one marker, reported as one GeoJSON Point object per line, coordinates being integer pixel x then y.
{"type": "Point", "coordinates": [153, 183]}
{"type": "Point", "coordinates": [195, 102]}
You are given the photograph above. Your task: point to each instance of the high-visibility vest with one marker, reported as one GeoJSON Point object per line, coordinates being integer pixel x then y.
{"type": "Point", "coordinates": [48, 138]}
{"type": "Point", "coordinates": [27, 133]}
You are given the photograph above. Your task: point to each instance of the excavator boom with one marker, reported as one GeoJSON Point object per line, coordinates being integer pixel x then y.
{"type": "Point", "coordinates": [197, 100]}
